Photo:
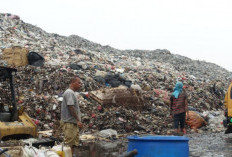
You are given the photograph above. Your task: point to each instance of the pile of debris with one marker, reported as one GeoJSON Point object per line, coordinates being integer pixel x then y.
{"type": "Point", "coordinates": [147, 77]}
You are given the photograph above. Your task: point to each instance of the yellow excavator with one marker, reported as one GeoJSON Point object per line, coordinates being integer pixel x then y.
{"type": "Point", "coordinates": [228, 113]}
{"type": "Point", "coordinates": [13, 120]}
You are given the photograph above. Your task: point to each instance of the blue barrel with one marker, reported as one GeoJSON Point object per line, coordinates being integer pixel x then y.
{"type": "Point", "coordinates": [159, 146]}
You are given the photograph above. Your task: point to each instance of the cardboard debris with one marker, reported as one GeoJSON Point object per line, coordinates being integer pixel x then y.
{"type": "Point", "coordinates": [16, 56]}
{"type": "Point", "coordinates": [120, 96]}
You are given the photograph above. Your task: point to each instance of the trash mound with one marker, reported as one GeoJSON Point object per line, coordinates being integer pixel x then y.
{"type": "Point", "coordinates": [149, 77]}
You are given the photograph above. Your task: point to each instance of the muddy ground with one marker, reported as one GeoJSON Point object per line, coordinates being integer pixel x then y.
{"type": "Point", "coordinates": [200, 145]}
{"type": "Point", "coordinates": [210, 145]}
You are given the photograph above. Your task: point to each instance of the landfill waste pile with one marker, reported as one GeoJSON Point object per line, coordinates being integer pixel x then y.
{"type": "Point", "coordinates": [147, 79]}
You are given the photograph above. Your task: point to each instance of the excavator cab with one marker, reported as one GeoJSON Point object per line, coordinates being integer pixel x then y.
{"type": "Point", "coordinates": [13, 121]}
{"type": "Point", "coordinates": [228, 113]}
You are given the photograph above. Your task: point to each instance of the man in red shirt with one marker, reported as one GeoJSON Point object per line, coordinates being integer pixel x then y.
{"type": "Point", "coordinates": [179, 107]}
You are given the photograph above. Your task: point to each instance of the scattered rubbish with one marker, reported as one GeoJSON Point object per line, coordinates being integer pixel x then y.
{"type": "Point", "coordinates": [108, 133]}
{"type": "Point", "coordinates": [87, 137]}
{"type": "Point", "coordinates": [62, 150]}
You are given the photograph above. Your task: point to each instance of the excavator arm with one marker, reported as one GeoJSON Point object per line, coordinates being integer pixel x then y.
{"type": "Point", "coordinates": [12, 121]}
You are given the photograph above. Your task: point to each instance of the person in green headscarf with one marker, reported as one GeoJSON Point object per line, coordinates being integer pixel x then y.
{"type": "Point", "coordinates": [179, 107]}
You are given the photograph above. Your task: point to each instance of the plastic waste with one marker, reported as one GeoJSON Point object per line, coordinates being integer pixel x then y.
{"type": "Point", "coordinates": [63, 151]}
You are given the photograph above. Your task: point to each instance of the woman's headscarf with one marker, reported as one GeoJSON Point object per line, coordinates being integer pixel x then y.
{"type": "Point", "coordinates": [177, 90]}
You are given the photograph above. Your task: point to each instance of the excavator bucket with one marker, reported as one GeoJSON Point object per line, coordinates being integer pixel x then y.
{"type": "Point", "coordinates": [24, 126]}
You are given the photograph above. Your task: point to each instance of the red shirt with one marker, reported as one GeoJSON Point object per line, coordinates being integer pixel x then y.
{"type": "Point", "coordinates": [178, 104]}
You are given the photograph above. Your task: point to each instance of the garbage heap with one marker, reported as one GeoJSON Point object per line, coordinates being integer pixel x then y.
{"type": "Point", "coordinates": [145, 78]}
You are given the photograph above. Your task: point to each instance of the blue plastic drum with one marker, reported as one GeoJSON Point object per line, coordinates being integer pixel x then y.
{"type": "Point", "coordinates": [159, 146]}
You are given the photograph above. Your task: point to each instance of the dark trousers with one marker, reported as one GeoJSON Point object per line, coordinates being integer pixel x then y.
{"type": "Point", "coordinates": [179, 120]}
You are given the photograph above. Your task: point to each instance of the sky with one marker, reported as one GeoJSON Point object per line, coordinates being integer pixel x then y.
{"type": "Point", "coordinates": [198, 29]}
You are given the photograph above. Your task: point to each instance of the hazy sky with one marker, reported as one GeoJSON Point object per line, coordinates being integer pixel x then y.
{"type": "Point", "coordinates": [198, 29]}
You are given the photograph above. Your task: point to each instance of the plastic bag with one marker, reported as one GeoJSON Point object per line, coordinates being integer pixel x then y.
{"type": "Point", "coordinates": [35, 59]}
{"type": "Point", "coordinates": [108, 133]}
{"type": "Point", "coordinates": [195, 121]}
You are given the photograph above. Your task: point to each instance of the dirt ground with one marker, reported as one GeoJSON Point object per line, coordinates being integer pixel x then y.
{"type": "Point", "coordinates": [210, 145]}
{"type": "Point", "coordinates": [200, 145]}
